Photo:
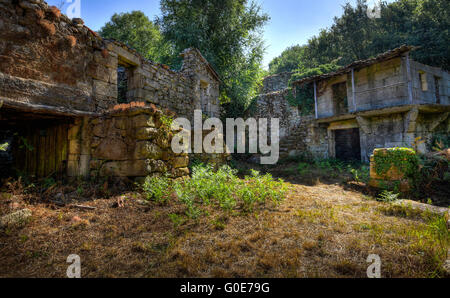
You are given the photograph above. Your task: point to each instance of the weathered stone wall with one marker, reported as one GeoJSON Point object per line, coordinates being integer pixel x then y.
{"type": "Point", "coordinates": [125, 143]}
{"type": "Point", "coordinates": [205, 82]}
{"type": "Point", "coordinates": [429, 96]}
{"type": "Point", "coordinates": [276, 82]}
{"type": "Point", "coordinates": [377, 86]}
{"type": "Point", "coordinates": [49, 61]}
{"type": "Point", "coordinates": [50, 64]}
{"type": "Point", "coordinates": [44, 56]}
{"type": "Point", "coordinates": [298, 134]}
{"type": "Point", "coordinates": [396, 130]}
{"type": "Point", "coordinates": [275, 105]}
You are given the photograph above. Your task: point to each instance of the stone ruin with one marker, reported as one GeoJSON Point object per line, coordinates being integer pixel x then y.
{"type": "Point", "coordinates": [384, 102]}
{"type": "Point", "coordinates": [75, 104]}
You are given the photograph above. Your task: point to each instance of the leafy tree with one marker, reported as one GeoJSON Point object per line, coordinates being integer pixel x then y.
{"type": "Point", "coordinates": [137, 31]}
{"type": "Point", "coordinates": [228, 33]}
{"type": "Point", "coordinates": [355, 36]}
{"type": "Point", "coordinates": [290, 59]}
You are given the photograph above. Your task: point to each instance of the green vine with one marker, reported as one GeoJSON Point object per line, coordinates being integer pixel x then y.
{"type": "Point", "coordinates": [404, 159]}
{"type": "Point", "coordinates": [304, 99]}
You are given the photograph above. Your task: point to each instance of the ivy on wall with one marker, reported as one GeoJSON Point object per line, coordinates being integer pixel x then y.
{"type": "Point", "coordinates": [303, 99]}
{"type": "Point", "coordinates": [404, 159]}
{"type": "Point", "coordinates": [304, 95]}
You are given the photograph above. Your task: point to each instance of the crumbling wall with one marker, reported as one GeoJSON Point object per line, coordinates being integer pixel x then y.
{"type": "Point", "coordinates": [298, 134]}
{"type": "Point", "coordinates": [44, 56]}
{"type": "Point", "coordinates": [428, 96]}
{"type": "Point", "coordinates": [277, 82]}
{"type": "Point", "coordinates": [276, 105]}
{"type": "Point", "coordinates": [50, 62]}
{"type": "Point", "coordinates": [125, 143]}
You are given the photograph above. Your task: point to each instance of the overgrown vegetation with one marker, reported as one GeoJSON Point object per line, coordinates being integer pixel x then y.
{"type": "Point", "coordinates": [405, 161]}
{"type": "Point", "coordinates": [307, 166]}
{"type": "Point", "coordinates": [304, 95]}
{"type": "Point", "coordinates": [137, 31]}
{"type": "Point", "coordinates": [221, 189]}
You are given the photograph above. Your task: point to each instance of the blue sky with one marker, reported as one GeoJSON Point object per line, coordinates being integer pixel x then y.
{"type": "Point", "coordinates": [292, 21]}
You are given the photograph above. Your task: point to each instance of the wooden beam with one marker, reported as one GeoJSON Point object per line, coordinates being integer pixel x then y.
{"type": "Point", "coordinates": [409, 76]}
{"type": "Point", "coordinates": [43, 109]}
{"type": "Point", "coordinates": [315, 100]}
{"type": "Point", "coordinates": [353, 90]}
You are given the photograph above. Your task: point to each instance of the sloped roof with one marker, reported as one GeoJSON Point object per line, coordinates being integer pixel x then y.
{"type": "Point", "coordinates": [358, 64]}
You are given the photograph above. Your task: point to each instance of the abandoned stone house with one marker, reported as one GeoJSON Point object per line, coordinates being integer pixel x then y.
{"type": "Point", "coordinates": [386, 101]}
{"type": "Point", "coordinates": [60, 86]}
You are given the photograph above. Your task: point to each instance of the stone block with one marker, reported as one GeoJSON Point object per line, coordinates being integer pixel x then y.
{"type": "Point", "coordinates": [111, 149]}
{"type": "Point", "coordinates": [157, 166]}
{"type": "Point", "coordinates": [105, 89]}
{"type": "Point", "coordinates": [180, 162]}
{"type": "Point", "coordinates": [143, 120]}
{"type": "Point", "coordinates": [129, 168]}
{"type": "Point", "coordinates": [146, 133]}
{"type": "Point", "coordinates": [147, 150]}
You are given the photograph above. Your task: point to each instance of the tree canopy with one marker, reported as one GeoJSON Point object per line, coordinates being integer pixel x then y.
{"type": "Point", "coordinates": [355, 36]}
{"type": "Point", "coordinates": [137, 31]}
{"type": "Point", "coordinates": [228, 33]}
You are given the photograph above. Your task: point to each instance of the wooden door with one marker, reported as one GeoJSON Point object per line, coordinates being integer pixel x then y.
{"type": "Point", "coordinates": [41, 148]}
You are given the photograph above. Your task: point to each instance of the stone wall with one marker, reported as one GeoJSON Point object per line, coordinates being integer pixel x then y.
{"type": "Point", "coordinates": [276, 82]}
{"type": "Point", "coordinates": [124, 143]}
{"type": "Point", "coordinates": [52, 63]}
{"type": "Point", "coordinates": [429, 96]}
{"type": "Point", "coordinates": [298, 134]}
{"type": "Point", "coordinates": [276, 105]}
{"type": "Point", "coordinates": [394, 130]}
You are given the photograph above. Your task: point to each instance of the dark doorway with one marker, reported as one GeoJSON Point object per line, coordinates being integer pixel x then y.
{"type": "Point", "coordinates": [348, 145]}
{"type": "Point", "coordinates": [37, 144]}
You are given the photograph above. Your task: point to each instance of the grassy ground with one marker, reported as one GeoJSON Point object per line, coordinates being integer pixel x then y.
{"type": "Point", "coordinates": [327, 226]}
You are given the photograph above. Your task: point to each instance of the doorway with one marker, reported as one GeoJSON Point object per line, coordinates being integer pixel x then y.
{"type": "Point", "coordinates": [37, 144]}
{"type": "Point", "coordinates": [347, 144]}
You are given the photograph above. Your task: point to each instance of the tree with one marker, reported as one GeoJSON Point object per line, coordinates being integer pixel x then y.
{"type": "Point", "coordinates": [290, 59]}
{"type": "Point", "coordinates": [137, 31]}
{"type": "Point", "coordinates": [355, 36]}
{"type": "Point", "coordinates": [228, 33]}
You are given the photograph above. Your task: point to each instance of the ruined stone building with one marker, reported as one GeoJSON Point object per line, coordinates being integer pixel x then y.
{"type": "Point", "coordinates": [60, 84]}
{"type": "Point", "coordinates": [386, 101]}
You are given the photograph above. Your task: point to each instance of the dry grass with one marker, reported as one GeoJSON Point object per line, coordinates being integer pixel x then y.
{"type": "Point", "coordinates": [318, 231]}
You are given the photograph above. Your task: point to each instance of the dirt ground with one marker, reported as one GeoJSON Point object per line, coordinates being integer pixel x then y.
{"type": "Point", "coordinates": [322, 229]}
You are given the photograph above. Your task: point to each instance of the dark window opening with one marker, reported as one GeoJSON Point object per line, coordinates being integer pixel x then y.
{"type": "Point", "coordinates": [437, 81]}
{"type": "Point", "coordinates": [340, 100]}
{"type": "Point", "coordinates": [122, 84]}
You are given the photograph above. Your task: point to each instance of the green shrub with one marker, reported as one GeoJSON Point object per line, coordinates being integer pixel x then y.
{"type": "Point", "coordinates": [157, 189]}
{"type": "Point", "coordinates": [221, 189]}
